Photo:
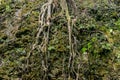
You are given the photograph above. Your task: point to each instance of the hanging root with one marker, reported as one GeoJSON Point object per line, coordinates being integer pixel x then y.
{"type": "Point", "coordinates": [64, 6]}
{"type": "Point", "coordinates": [70, 24]}
{"type": "Point", "coordinates": [44, 21]}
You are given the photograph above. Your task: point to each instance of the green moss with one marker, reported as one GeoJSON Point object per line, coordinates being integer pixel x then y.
{"type": "Point", "coordinates": [96, 34]}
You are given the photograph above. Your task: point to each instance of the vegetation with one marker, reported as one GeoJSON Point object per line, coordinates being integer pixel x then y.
{"type": "Point", "coordinates": [59, 40]}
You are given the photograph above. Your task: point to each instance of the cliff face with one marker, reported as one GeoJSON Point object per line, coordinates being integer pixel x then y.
{"type": "Point", "coordinates": [43, 40]}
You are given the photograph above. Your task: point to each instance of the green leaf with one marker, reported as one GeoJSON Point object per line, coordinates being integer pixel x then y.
{"type": "Point", "coordinates": [8, 8]}
{"type": "Point", "coordinates": [89, 45]}
{"type": "Point", "coordinates": [51, 48]}
{"type": "Point", "coordinates": [68, 47]}
{"type": "Point", "coordinates": [84, 49]}
{"type": "Point", "coordinates": [106, 46]}
{"type": "Point", "coordinates": [118, 22]}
